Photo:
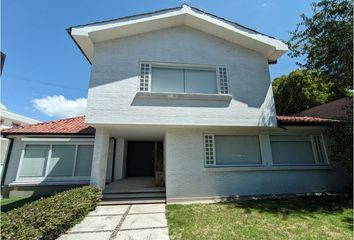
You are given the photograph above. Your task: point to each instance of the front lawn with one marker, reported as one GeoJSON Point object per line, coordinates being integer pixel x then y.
{"type": "Point", "coordinates": [320, 217]}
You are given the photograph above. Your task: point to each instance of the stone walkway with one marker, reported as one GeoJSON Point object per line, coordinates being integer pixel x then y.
{"type": "Point", "coordinates": [122, 222]}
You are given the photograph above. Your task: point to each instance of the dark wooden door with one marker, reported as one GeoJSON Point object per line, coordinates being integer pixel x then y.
{"type": "Point", "coordinates": [140, 158]}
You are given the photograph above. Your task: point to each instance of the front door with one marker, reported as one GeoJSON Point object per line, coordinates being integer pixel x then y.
{"type": "Point", "coordinates": [140, 158]}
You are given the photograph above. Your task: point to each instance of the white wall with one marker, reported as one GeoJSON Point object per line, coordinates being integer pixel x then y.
{"type": "Point", "coordinates": [114, 81]}
{"type": "Point", "coordinates": [187, 179]}
{"type": "Point", "coordinates": [14, 161]}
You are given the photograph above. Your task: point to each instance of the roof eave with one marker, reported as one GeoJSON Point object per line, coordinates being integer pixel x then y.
{"type": "Point", "coordinates": [85, 36]}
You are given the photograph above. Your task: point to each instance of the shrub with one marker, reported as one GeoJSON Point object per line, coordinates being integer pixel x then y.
{"type": "Point", "coordinates": [48, 218]}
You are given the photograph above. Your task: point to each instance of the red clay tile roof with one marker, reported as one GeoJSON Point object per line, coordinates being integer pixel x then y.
{"type": "Point", "coordinates": [309, 120]}
{"type": "Point", "coordinates": [75, 125]}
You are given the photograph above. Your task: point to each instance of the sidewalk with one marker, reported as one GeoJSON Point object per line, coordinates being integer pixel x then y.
{"type": "Point", "coordinates": [122, 222]}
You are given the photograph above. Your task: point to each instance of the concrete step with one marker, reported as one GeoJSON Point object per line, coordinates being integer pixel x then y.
{"type": "Point", "coordinates": [105, 202]}
{"type": "Point", "coordinates": [134, 195]}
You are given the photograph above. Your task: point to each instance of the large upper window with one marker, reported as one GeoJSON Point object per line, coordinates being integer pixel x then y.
{"type": "Point", "coordinates": [178, 79]}
{"type": "Point", "coordinates": [232, 150]}
{"type": "Point", "coordinates": [297, 149]}
{"type": "Point", "coordinates": [56, 161]}
{"type": "Point", "coordinates": [183, 80]}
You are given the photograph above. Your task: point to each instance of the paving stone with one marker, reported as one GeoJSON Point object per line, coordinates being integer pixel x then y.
{"type": "Point", "coordinates": [144, 221]}
{"type": "Point", "coordinates": [86, 236]}
{"type": "Point", "coordinates": [146, 234]}
{"type": "Point", "coordinates": [97, 223]}
{"type": "Point", "coordinates": [147, 208]}
{"type": "Point", "coordinates": [109, 210]}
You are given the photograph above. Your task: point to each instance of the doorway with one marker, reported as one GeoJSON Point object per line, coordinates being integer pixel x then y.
{"type": "Point", "coordinates": [140, 158]}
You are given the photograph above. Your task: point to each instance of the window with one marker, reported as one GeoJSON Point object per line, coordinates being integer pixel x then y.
{"type": "Point", "coordinates": [209, 149]}
{"type": "Point", "coordinates": [144, 77]}
{"type": "Point", "coordinates": [232, 150]}
{"type": "Point", "coordinates": [176, 79]}
{"type": "Point", "coordinates": [56, 161]}
{"type": "Point", "coordinates": [84, 160]}
{"type": "Point", "coordinates": [62, 160]}
{"type": "Point", "coordinates": [297, 149]}
{"type": "Point", "coordinates": [34, 161]}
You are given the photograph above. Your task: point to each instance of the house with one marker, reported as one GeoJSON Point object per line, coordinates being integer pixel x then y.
{"type": "Point", "coordinates": [180, 92]}
{"type": "Point", "coordinates": [7, 120]}
{"type": "Point", "coordinates": [336, 109]}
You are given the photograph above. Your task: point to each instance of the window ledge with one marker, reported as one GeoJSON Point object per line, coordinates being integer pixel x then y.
{"type": "Point", "coordinates": [266, 168]}
{"type": "Point", "coordinates": [189, 96]}
{"type": "Point", "coordinates": [52, 183]}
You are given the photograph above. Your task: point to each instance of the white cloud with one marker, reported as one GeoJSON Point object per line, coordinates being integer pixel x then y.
{"type": "Point", "coordinates": [59, 106]}
{"type": "Point", "coordinates": [264, 4]}
{"type": "Point", "coordinates": [2, 106]}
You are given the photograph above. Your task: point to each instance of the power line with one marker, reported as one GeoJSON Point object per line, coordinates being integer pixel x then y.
{"type": "Point", "coordinates": [25, 79]}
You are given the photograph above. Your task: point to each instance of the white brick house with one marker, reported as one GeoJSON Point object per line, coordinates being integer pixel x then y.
{"type": "Point", "coordinates": [196, 87]}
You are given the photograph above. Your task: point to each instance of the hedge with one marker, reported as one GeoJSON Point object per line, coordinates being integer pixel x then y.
{"type": "Point", "coordinates": [48, 218]}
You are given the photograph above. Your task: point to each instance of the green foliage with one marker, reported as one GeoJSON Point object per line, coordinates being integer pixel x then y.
{"type": "Point", "coordinates": [342, 135]}
{"type": "Point", "coordinates": [48, 218]}
{"type": "Point", "coordinates": [326, 40]}
{"type": "Point", "coordinates": [301, 90]}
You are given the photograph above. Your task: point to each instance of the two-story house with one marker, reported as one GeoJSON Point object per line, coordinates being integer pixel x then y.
{"type": "Point", "coordinates": [186, 93]}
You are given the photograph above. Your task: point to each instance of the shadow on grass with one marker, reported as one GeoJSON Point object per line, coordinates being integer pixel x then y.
{"type": "Point", "coordinates": [18, 203]}
{"type": "Point", "coordinates": [304, 207]}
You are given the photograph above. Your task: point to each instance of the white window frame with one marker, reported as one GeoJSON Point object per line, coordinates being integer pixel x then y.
{"type": "Point", "coordinates": [183, 66]}
{"type": "Point", "coordinates": [212, 136]}
{"type": "Point", "coordinates": [267, 156]}
{"type": "Point", "coordinates": [314, 151]}
{"type": "Point", "coordinates": [262, 164]}
{"type": "Point", "coordinates": [47, 178]}
{"type": "Point", "coordinates": [149, 77]}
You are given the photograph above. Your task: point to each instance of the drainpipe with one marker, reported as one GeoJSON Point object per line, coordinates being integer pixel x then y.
{"type": "Point", "coordinates": [114, 157]}
{"type": "Point", "coordinates": [6, 164]}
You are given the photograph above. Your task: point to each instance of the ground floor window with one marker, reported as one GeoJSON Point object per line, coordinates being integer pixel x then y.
{"type": "Point", "coordinates": [41, 161]}
{"type": "Point", "coordinates": [245, 150]}
{"type": "Point", "coordinates": [233, 150]}
{"type": "Point", "coordinates": [297, 149]}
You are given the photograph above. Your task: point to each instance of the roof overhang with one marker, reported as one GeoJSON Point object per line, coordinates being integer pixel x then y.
{"type": "Point", "coordinates": [86, 36]}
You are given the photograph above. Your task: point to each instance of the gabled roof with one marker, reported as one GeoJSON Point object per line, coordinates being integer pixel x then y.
{"type": "Point", "coordinates": [86, 35]}
{"type": "Point", "coordinates": [68, 126]}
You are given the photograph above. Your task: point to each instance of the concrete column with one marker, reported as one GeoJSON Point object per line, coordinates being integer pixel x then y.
{"type": "Point", "coordinates": [119, 164]}
{"type": "Point", "coordinates": [100, 156]}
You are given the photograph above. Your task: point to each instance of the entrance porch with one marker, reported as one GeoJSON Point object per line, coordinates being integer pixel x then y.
{"type": "Point", "coordinates": [126, 167]}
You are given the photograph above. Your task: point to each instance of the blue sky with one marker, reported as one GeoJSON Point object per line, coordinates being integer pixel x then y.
{"type": "Point", "coordinates": [46, 76]}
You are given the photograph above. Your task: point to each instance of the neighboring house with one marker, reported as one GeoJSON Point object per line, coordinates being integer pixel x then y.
{"type": "Point", "coordinates": [337, 109]}
{"type": "Point", "coordinates": [192, 87]}
{"type": "Point", "coordinates": [8, 120]}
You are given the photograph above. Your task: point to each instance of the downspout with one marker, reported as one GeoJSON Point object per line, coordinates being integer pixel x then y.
{"type": "Point", "coordinates": [7, 160]}
{"type": "Point", "coordinates": [114, 157]}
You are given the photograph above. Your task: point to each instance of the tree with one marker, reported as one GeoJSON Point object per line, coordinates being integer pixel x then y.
{"type": "Point", "coordinates": [326, 41]}
{"type": "Point", "coordinates": [301, 90]}
{"type": "Point", "coordinates": [342, 136]}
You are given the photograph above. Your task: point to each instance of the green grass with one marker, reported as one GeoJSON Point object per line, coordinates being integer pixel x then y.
{"type": "Point", "coordinates": [322, 217]}
{"type": "Point", "coordinates": [8, 204]}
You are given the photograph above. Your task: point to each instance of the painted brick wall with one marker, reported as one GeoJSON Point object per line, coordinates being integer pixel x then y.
{"type": "Point", "coordinates": [187, 178]}
{"type": "Point", "coordinates": [114, 81]}
{"type": "Point", "coordinates": [14, 160]}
